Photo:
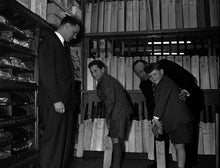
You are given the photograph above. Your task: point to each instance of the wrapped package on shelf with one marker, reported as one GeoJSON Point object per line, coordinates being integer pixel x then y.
{"type": "Point", "coordinates": [5, 98]}
{"type": "Point", "coordinates": [53, 8]}
{"type": "Point", "coordinates": [64, 3]}
{"type": "Point", "coordinates": [36, 6]}
{"type": "Point", "coordinates": [5, 117]}
{"type": "Point", "coordinates": [5, 138]}
{"type": "Point", "coordinates": [53, 19]}
{"type": "Point", "coordinates": [25, 3]}
{"type": "Point", "coordinates": [76, 11]}
{"type": "Point", "coordinates": [44, 9]}
{"type": "Point", "coordinates": [22, 139]}
{"type": "Point", "coordinates": [54, 14]}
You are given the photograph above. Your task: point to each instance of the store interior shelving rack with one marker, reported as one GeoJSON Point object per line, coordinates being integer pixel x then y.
{"type": "Point", "coordinates": [24, 25]}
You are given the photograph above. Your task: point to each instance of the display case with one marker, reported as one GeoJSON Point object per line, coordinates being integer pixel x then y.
{"type": "Point", "coordinates": [19, 38]}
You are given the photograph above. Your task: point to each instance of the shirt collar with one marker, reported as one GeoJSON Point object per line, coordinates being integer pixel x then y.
{"type": "Point", "coordinates": [60, 37]}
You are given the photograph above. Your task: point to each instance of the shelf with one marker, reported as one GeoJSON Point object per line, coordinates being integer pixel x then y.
{"type": "Point", "coordinates": [191, 32]}
{"type": "Point", "coordinates": [88, 91]}
{"type": "Point", "coordinates": [24, 27]}
{"type": "Point", "coordinates": [22, 160]}
{"type": "Point", "coordinates": [64, 9]}
{"type": "Point", "coordinates": [16, 69]}
{"type": "Point", "coordinates": [9, 46]}
{"type": "Point", "coordinates": [61, 6]}
{"type": "Point", "coordinates": [18, 33]}
{"type": "Point", "coordinates": [139, 91]}
{"type": "Point", "coordinates": [15, 85]}
{"type": "Point", "coordinates": [18, 121]}
{"type": "Point", "coordinates": [211, 90]}
{"type": "Point", "coordinates": [7, 123]}
{"type": "Point", "coordinates": [22, 17]}
{"type": "Point", "coordinates": [24, 104]}
{"type": "Point", "coordinates": [94, 92]}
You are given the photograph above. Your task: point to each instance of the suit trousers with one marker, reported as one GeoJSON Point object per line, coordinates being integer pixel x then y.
{"type": "Point", "coordinates": [56, 140]}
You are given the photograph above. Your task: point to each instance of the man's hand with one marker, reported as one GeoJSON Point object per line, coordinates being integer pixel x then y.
{"type": "Point", "coordinates": [183, 95]}
{"type": "Point", "coordinates": [158, 125]}
{"type": "Point", "coordinates": [108, 123]}
{"type": "Point", "coordinates": [59, 107]}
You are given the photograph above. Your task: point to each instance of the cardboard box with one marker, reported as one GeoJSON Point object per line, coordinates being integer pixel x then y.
{"type": "Point", "coordinates": [53, 8]}
{"type": "Point", "coordinates": [25, 3]}
{"type": "Point", "coordinates": [36, 6]}
{"type": "Point", "coordinates": [44, 9]}
{"type": "Point", "coordinates": [76, 12]}
{"type": "Point", "coordinates": [53, 19]}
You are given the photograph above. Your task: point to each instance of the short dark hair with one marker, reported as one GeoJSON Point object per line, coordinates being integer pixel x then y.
{"type": "Point", "coordinates": [71, 20]}
{"type": "Point", "coordinates": [152, 66]}
{"type": "Point", "coordinates": [99, 64]}
{"type": "Point", "coordinates": [140, 60]}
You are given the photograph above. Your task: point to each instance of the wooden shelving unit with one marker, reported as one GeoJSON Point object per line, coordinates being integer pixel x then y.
{"type": "Point", "coordinates": [19, 19]}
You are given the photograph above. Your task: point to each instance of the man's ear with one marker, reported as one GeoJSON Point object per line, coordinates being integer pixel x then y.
{"type": "Point", "coordinates": [162, 71]}
{"type": "Point", "coordinates": [66, 26]}
{"type": "Point", "coordinates": [103, 69]}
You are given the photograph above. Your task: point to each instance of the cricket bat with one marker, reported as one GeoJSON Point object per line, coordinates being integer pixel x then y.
{"type": "Point", "coordinates": [144, 128]}
{"type": "Point", "coordinates": [150, 142]}
{"type": "Point", "coordinates": [107, 149]}
{"type": "Point", "coordinates": [81, 135]}
{"type": "Point", "coordinates": [94, 127]}
{"type": "Point", "coordinates": [201, 143]}
{"type": "Point", "coordinates": [131, 137]}
{"type": "Point", "coordinates": [160, 154]}
{"type": "Point", "coordinates": [88, 127]}
{"type": "Point", "coordinates": [79, 151]}
{"type": "Point", "coordinates": [138, 131]}
{"type": "Point", "coordinates": [100, 128]}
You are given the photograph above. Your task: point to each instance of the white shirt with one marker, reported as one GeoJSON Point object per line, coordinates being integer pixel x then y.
{"type": "Point", "coordinates": [60, 37]}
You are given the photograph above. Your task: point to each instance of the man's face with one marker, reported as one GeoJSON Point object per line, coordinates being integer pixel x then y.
{"type": "Point", "coordinates": [139, 71]}
{"type": "Point", "coordinates": [71, 32]}
{"type": "Point", "coordinates": [156, 75]}
{"type": "Point", "coordinates": [96, 72]}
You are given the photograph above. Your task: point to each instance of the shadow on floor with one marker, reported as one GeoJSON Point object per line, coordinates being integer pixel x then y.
{"type": "Point", "coordinates": [203, 162]}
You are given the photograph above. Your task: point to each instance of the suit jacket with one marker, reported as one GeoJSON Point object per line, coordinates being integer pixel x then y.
{"type": "Point", "coordinates": [146, 87]}
{"type": "Point", "coordinates": [183, 79]}
{"type": "Point", "coordinates": [171, 111]}
{"type": "Point", "coordinates": [56, 79]}
{"type": "Point", "coordinates": [116, 101]}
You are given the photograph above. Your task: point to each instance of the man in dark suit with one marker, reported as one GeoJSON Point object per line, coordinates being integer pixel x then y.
{"type": "Point", "coordinates": [189, 93]}
{"type": "Point", "coordinates": [117, 107]}
{"type": "Point", "coordinates": [55, 96]}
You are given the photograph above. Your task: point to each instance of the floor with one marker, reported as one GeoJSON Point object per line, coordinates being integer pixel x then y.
{"type": "Point", "coordinates": [96, 162]}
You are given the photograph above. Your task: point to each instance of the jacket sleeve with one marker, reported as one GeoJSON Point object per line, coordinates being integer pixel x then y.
{"type": "Point", "coordinates": [147, 90]}
{"type": "Point", "coordinates": [47, 69]}
{"type": "Point", "coordinates": [162, 95]}
{"type": "Point", "coordinates": [109, 101]}
{"type": "Point", "coordinates": [183, 78]}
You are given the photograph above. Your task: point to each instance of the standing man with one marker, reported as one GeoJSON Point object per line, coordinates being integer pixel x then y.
{"type": "Point", "coordinates": [56, 97]}
{"type": "Point", "coordinates": [189, 93]}
{"type": "Point", "coordinates": [117, 107]}
{"type": "Point", "coordinates": [145, 85]}
{"type": "Point", "coordinates": [174, 114]}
